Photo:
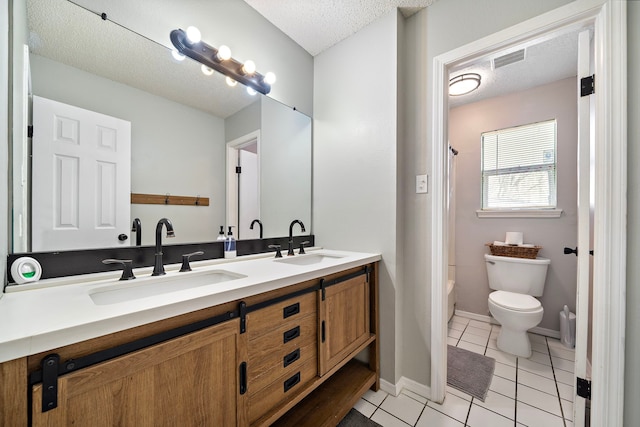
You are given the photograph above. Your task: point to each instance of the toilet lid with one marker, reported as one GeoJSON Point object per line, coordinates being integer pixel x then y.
{"type": "Point", "coordinates": [514, 301]}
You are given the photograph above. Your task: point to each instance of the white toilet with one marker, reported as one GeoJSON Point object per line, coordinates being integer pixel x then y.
{"type": "Point", "coordinates": [516, 282]}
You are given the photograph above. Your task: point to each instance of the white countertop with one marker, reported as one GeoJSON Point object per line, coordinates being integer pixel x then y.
{"type": "Point", "coordinates": [57, 312]}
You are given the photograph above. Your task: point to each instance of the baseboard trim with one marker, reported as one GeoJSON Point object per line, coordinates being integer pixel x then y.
{"type": "Point", "coordinates": [406, 384]}
{"type": "Point", "coordinates": [489, 319]}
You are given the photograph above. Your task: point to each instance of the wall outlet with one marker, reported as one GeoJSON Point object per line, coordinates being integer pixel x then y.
{"type": "Point", "coordinates": [422, 183]}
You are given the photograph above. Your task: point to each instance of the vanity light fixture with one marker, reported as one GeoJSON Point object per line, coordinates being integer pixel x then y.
{"type": "Point", "coordinates": [188, 43]}
{"type": "Point", "coordinates": [464, 84]}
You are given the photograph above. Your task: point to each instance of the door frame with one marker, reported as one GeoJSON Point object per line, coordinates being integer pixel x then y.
{"type": "Point", "coordinates": [232, 182]}
{"type": "Point", "coordinates": [609, 22]}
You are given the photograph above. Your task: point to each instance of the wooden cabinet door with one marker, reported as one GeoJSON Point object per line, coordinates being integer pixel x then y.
{"type": "Point", "coordinates": [344, 320]}
{"type": "Point", "coordinates": [187, 381]}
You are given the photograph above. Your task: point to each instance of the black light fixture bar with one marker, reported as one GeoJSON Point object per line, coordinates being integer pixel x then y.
{"type": "Point", "coordinates": [207, 55]}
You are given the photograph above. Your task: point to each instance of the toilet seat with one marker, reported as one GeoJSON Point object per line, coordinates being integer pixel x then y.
{"type": "Point", "coordinates": [514, 301]}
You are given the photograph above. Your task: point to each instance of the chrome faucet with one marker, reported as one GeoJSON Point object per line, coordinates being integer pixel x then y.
{"type": "Point", "coordinates": [137, 228]}
{"type": "Point", "coordinates": [158, 268]}
{"type": "Point", "coordinates": [294, 222]}
{"type": "Point", "coordinates": [259, 223]}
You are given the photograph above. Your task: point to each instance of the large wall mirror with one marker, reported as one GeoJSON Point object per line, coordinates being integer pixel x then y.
{"type": "Point", "coordinates": [187, 130]}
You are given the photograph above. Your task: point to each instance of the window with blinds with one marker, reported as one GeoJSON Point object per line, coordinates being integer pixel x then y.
{"type": "Point", "coordinates": [519, 167]}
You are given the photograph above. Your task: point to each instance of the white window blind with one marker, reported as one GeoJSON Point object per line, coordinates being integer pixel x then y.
{"type": "Point", "coordinates": [519, 167]}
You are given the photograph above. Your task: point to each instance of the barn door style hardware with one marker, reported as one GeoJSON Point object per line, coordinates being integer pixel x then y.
{"type": "Point", "coordinates": [588, 85]}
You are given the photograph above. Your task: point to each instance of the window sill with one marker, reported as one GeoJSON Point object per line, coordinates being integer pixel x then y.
{"type": "Point", "coordinates": [520, 213]}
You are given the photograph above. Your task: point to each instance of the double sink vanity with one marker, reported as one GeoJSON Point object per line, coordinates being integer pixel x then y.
{"type": "Point", "coordinates": [253, 341]}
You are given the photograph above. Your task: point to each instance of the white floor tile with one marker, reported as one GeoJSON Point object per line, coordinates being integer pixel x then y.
{"type": "Point", "coordinates": [499, 404]}
{"type": "Point", "coordinates": [563, 353]}
{"type": "Point", "coordinates": [536, 381]}
{"type": "Point", "coordinates": [507, 359]}
{"type": "Point", "coordinates": [539, 399]}
{"type": "Point", "coordinates": [539, 347]}
{"type": "Point", "coordinates": [481, 417]}
{"type": "Point", "coordinates": [375, 397]}
{"type": "Point", "coordinates": [567, 409]}
{"type": "Point", "coordinates": [565, 391]}
{"type": "Point", "coordinates": [454, 333]}
{"type": "Point", "coordinates": [503, 386]}
{"type": "Point", "coordinates": [564, 377]}
{"type": "Point", "coordinates": [415, 396]}
{"type": "Point", "coordinates": [452, 341]}
{"type": "Point", "coordinates": [459, 393]}
{"type": "Point", "coordinates": [555, 343]}
{"type": "Point", "coordinates": [432, 418]}
{"type": "Point", "coordinates": [564, 364]}
{"type": "Point", "coordinates": [478, 331]}
{"type": "Point", "coordinates": [457, 325]}
{"type": "Point", "coordinates": [537, 338]}
{"type": "Point", "coordinates": [387, 420]}
{"type": "Point", "coordinates": [460, 319]}
{"type": "Point", "coordinates": [365, 408]}
{"type": "Point", "coordinates": [471, 347]}
{"type": "Point", "coordinates": [403, 407]}
{"type": "Point", "coordinates": [480, 325]}
{"type": "Point", "coordinates": [541, 358]}
{"type": "Point", "coordinates": [475, 339]}
{"type": "Point", "coordinates": [453, 406]}
{"type": "Point", "coordinates": [493, 343]}
{"type": "Point", "coordinates": [505, 371]}
{"type": "Point", "coordinates": [536, 368]}
{"type": "Point", "coordinates": [534, 417]}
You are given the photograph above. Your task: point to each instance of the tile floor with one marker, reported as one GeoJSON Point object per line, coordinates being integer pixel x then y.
{"type": "Point", "coordinates": [524, 392]}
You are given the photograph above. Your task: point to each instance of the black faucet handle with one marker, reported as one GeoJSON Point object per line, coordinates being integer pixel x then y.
{"type": "Point", "coordinates": [301, 251]}
{"type": "Point", "coordinates": [127, 269]}
{"type": "Point", "coordinates": [277, 248]}
{"type": "Point", "coordinates": [186, 258]}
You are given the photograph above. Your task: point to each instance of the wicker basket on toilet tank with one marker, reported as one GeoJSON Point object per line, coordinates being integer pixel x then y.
{"type": "Point", "coordinates": [514, 251]}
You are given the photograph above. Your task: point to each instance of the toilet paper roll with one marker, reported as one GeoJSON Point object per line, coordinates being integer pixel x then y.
{"type": "Point", "coordinates": [514, 238]}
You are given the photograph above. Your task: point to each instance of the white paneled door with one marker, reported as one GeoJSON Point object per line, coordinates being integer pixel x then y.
{"type": "Point", "coordinates": [81, 178]}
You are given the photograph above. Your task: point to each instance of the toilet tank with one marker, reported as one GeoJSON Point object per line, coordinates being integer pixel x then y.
{"type": "Point", "coordinates": [520, 275]}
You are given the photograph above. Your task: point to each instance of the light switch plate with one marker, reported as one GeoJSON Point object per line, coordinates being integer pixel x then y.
{"type": "Point", "coordinates": [422, 183]}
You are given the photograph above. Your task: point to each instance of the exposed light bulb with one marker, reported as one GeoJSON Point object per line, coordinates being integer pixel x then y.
{"type": "Point", "coordinates": [193, 34]}
{"type": "Point", "coordinates": [270, 78]}
{"type": "Point", "coordinates": [249, 67]}
{"type": "Point", "coordinates": [224, 53]}
{"type": "Point", "coordinates": [231, 82]}
{"type": "Point", "coordinates": [206, 70]}
{"type": "Point", "coordinates": [177, 55]}
{"type": "Point", "coordinates": [251, 91]}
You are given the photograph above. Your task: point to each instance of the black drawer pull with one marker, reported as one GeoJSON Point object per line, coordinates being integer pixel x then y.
{"type": "Point", "coordinates": [291, 334]}
{"type": "Point", "coordinates": [291, 382]}
{"type": "Point", "coordinates": [291, 357]}
{"type": "Point", "coordinates": [291, 310]}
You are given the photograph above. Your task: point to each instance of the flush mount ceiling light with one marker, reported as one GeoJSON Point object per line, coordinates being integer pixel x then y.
{"type": "Point", "coordinates": [188, 43]}
{"type": "Point", "coordinates": [463, 84]}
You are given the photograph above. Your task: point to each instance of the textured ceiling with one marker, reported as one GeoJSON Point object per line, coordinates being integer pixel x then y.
{"type": "Point", "coordinates": [317, 25]}
{"type": "Point", "coordinates": [102, 47]}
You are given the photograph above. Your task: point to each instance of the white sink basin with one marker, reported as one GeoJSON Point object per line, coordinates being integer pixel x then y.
{"type": "Point", "coordinates": [308, 259]}
{"type": "Point", "coordinates": [153, 286]}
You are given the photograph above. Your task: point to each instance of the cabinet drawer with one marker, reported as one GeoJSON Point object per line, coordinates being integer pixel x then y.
{"type": "Point", "coordinates": [281, 363]}
{"type": "Point", "coordinates": [283, 387]}
{"type": "Point", "coordinates": [261, 321]}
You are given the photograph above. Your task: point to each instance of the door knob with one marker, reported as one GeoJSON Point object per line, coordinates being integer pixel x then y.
{"type": "Point", "coordinates": [568, 251]}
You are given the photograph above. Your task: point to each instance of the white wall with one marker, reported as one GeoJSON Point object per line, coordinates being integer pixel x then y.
{"type": "Point", "coordinates": [443, 26]}
{"type": "Point", "coordinates": [632, 344]}
{"type": "Point", "coordinates": [174, 149]}
{"type": "Point", "coordinates": [354, 159]}
{"type": "Point", "coordinates": [4, 137]}
{"type": "Point", "coordinates": [466, 124]}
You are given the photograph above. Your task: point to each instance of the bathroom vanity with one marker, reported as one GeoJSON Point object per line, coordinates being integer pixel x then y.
{"type": "Point", "coordinates": [273, 344]}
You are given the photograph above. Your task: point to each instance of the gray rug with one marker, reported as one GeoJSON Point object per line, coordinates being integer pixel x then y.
{"type": "Point", "coordinates": [469, 372]}
{"type": "Point", "coordinates": [356, 419]}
